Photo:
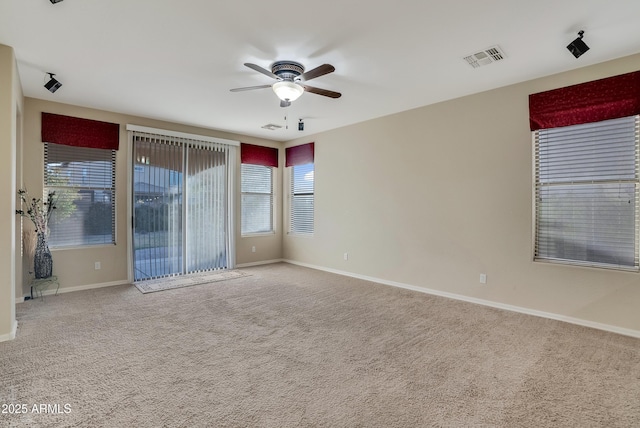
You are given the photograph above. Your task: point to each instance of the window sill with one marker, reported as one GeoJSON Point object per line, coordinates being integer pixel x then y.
{"type": "Point", "coordinates": [81, 247]}
{"type": "Point", "coordinates": [300, 235]}
{"type": "Point", "coordinates": [257, 234]}
{"type": "Point", "coordinates": [591, 265]}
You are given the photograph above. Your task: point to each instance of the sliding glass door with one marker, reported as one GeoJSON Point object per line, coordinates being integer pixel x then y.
{"type": "Point", "coordinates": [180, 205]}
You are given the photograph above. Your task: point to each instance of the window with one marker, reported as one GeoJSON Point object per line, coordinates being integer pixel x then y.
{"type": "Point", "coordinates": [587, 193]}
{"type": "Point", "coordinates": [256, 185]}
{"type": "Point", "coordinates": [84, 182]}
{"type": "Point", "coordinates": [301, 160]}
{"type": "Point", "coordinates": [257, 199]}
{"type": "Point", "coordinates": [302, 199]}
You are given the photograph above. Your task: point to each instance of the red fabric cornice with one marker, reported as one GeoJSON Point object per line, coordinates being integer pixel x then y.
{"type": "Point", "coordinates": [73, 131]}
{"type": "Point", "coordinates": [595, 101]}
{"type": "Point", "coordinates": [299, 155]}
{"type": "Point", "coordinates": [258, 155]}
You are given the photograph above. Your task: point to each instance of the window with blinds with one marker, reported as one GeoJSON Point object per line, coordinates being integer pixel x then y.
{"type": "Point", "coordinates": [587, 193]}
{"type": "Point", "coordinates": [302, 198]}
{"type": "Point", "coordinates": [84, 183]}
{"type": "Point", "coordinates": [257, 199]}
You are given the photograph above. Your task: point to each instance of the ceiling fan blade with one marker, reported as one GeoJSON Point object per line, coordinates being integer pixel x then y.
{"type": "Point", "coordinates": [249, 88]}
{"type": "Point", "coordinates": [261, 70]}
{"type": "Point", "coordinates": [285, 103]}
{"type": "Point", "coordinates": [323, 92]}
{"type": "Point", "coordinates": [317, 72]}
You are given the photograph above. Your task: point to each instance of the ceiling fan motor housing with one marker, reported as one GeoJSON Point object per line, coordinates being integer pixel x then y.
{"type": "Point", "coordinates": [287, 70]}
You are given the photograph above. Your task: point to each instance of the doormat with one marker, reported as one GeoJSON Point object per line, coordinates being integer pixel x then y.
{"type": "Point", "coordinates": [169, 283]}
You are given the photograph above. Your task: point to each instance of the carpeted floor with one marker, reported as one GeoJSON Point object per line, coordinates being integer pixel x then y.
{"type": "Point", "coordinates": [288, 346]}
{"type": "Point", "coordinates": [169, 283]}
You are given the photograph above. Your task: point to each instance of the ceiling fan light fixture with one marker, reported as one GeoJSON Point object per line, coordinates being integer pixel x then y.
{"type": "Point", "coordinates": [287, 90]}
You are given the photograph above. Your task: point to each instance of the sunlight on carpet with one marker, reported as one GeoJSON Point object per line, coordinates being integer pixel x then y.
{"type": "Point", "coordinates": [169, 283]}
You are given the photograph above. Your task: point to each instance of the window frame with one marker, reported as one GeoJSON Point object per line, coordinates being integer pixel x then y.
{"type": "Point", "coordinates": [272, 194]}
{"type": "Point", "coordinates": [47, 187]}
{"type": "Point", "coordinates": [574, 182]}
{"type": "Point", "coordinates": [292, 195]}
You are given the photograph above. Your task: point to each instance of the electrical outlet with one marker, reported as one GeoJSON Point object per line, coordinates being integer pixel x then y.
{"type": "Point", "coordinates": [253, 249]}
{"type": "Point", "coordinates": [346, 256]}
{"type": "Point", "coordinates": [98, 266]}
{"type": "Point", "coordinates": [483, 278]}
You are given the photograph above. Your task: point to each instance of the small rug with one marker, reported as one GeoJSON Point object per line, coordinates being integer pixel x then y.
{"type": "Point", "coordinates": [168, 283]}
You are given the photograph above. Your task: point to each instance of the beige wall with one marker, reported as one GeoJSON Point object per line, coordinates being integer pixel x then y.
{"type": "Point", "coordinates": [75, 267]}
{"type": "Point", "coordinates": [10, 124]}
{"type": "Point", "coordinates": [429, 198]}
{"type": "Point", "coordinates": [435, 196]}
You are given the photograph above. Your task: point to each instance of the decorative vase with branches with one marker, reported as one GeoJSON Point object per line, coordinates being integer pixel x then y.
{"type": "Point", "coordinates": [39, 211]}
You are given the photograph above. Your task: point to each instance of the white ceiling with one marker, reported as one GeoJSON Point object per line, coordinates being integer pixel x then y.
{"type": "Point", "coordinates": [177, 60]}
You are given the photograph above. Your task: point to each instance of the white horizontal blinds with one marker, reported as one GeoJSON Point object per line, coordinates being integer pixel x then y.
{"type": "Point", "coordinates": [587, 193]}
{"type": "Point", "coordinates": [257, 198]}
{"type": "Point", "coordinates": [181, 222]}
{"type": "Point", "coordinates": [84, 182]}
{"type": "Point", "coordinates": [302, 199]}
{"type": "Point", "coordinates": [157, 199]}
{"type": "Point", "coordinates": [206, 206]}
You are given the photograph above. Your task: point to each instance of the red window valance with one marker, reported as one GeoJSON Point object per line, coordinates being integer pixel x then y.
{"type": "Point", "coordinates": [299, 155]}
{"type": "Point", "coordinates": [73, 131]}
{"type": "Point", "coordinates": [258, 155]}
{"type": "Point", "coordinates": [595, 101]}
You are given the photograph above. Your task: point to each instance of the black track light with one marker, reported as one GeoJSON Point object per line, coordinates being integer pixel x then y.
{"type": "Point", "coordinates": [52, 85]}
{"type": "Point", "coordinates": [578, 47]}
{"type": "Point", "coordinates": [300, 125]}
{"type": "Point", "coordinates": [55, 1]}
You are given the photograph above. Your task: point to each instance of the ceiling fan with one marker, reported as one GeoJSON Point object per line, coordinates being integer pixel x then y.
{"type": "Point", "coordinates": [289, 76]}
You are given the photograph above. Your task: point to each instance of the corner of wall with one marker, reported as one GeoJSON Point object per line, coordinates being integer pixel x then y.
{"type": "Point", "coordinates": [10, 104]}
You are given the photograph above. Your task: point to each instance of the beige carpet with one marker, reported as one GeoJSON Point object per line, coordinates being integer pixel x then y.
{"type": "Point", "coordinates": [289, 346]}
{"type": "Point", "coordinates": [169, 283]}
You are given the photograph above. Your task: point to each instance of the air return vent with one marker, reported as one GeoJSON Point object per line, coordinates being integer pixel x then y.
{"type": "Point", "coordinates": [271, 126]}
{"type": "Point", "coordinates": [485, 57]}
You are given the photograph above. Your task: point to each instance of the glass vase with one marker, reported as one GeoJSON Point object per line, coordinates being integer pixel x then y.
{"type": "Point", "coordinates": [42, 261]}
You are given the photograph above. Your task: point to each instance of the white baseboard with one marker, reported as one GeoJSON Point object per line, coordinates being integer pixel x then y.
{"type": "Point", "coordinates": [19, 300]}
{"type": "Point", "coordinates": [11, 335]}
{"type": "Point", "coordinates": [52, 290]}
{"type": "Point", "coordinates": [498, 305]}
{"type": "Point", "coordinates": [263, 262]}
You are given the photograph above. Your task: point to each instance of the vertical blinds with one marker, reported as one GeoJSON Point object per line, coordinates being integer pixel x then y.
{"type": "Point", "coordinates": [157, 197]}
{"type": "Point", "coordinates": [206, 207]}
{"type": "Point", "coordinates": [587, 193]}
{"type": "Point", "coordinates": [181, 201]}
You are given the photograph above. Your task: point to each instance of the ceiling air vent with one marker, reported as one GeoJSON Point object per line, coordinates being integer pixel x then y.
{"type": "Point", "coordinates": [271, 126]}
{"type": "Point", "coordinates": [485, 57]}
